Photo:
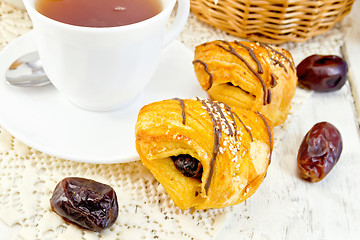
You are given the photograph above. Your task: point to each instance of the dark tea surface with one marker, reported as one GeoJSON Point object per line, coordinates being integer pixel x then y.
{"type": "Point", "coordinates": [99, 13]}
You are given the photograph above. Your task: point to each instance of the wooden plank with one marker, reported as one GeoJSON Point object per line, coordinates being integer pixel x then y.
{"type": "Point", "coordinates": [351, 51]}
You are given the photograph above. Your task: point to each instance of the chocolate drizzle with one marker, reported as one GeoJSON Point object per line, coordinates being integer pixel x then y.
{"type": "Point", "coordinates": [233, 115]}
{"type": "Point", "coordinates": [222, 116]}
{"type": "Point", "coordinates": [253, 56]}
{"type": "Point", "coordinates": [230, 84]}
{"type": "Point", "coordinates": [282, 55]}
{"type": "Point", "coordinates": [217, 138]}
{"type": "Point", "coordinates": [207, 71]}
{"type": "Point", "coordinates": [269, 132]}
{"type": "Point", "coordinates": [232, 51]}
{"type": "Point", "coordinates": [228, 109]}
{"type": "Point", "coordinates": [251, 137]}
{"type": "Point", "coordinates": [267, 47]}
{"type": "Point", "coordinates": [273, 82]}
{"type": "Point", "coordinates": [268, 101]}
{"type": "Point", "coordinates": [280, 64]}
{"type": "Point", "coordinates": [182, 104]}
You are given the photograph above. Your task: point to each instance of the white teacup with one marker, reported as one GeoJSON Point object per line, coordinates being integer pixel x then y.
{"type": "Point", "coordinates": [101, 69]}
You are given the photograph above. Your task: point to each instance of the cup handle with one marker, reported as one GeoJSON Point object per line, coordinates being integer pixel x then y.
{"type": "Point", "coordinates": [179, 22]}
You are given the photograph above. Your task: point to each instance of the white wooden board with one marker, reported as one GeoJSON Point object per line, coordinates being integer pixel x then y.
{"type": "Point", "coordinates": [286, 207]}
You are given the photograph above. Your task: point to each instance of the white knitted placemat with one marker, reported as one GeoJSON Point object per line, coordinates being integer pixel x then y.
{"type": "Point", "coordinates": [13, 23]}
{"type": "Point", "coordinates": [28, 176]}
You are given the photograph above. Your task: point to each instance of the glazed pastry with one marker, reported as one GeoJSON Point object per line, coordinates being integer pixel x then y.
{"type": "Point", "coordinates": [204, 153]}
{"type": "Point", "coordinates": [250, 75]}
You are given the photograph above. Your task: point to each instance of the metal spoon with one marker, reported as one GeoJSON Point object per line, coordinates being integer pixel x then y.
{"type": "Point", "coordinates": [27, 71]}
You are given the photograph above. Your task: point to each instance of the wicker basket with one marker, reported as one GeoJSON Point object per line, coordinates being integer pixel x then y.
{"type": "Point", "coordinates": [272, 21]}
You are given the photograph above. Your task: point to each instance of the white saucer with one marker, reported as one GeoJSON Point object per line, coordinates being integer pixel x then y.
{"type": "Point", "coordinates": [44, 120]}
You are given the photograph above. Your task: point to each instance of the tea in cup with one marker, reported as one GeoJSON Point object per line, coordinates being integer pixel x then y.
{"type": "Point", "coordinates": [97, 60]}
{"type": "Point", "coordinates": [99, 13]}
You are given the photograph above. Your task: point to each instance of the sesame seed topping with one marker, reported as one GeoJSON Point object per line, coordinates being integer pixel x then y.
{"type": "Point", "coordinates": [227, 135]}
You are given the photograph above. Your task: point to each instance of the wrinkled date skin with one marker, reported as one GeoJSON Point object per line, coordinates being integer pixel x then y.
{"type": "Point", "coordinates": [86, 203]}
{"type": "Point", "coordinates": [322, 73]}
{"type": "Point", "coordinates": [188, 165]}
{"type": "Point", "coordinates": [319, 151]}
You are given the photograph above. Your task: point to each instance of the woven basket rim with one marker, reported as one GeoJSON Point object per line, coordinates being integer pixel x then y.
{"type": "Point", "coordinates": [272, 21]}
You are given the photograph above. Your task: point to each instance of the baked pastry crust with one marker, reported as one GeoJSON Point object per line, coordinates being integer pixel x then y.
{"type": "Point", "coordinates": [250, 75]}
{"type": "Point", "coordinates": [233, 146]}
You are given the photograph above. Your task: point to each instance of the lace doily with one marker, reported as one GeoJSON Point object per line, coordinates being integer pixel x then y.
{"type": "Point", "coordinates": [145, 210]}
{"type": "Point", "coordinates": [13, 23]}
{"type": "Point", "coordinates": [28, 177]}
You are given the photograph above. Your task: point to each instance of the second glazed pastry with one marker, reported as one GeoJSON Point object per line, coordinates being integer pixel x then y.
{"type": "Point", "coordinates": [255, 76]}
{"type": "Point", "coordinates": [204, 153]}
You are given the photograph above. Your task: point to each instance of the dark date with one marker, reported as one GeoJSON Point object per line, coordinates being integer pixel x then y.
{"type": "Point", "coordinates": [319, 151]}
{"type": "Point", "coordinates": [322, 73]}
{"type": "Point", "coordinates": [188, 166]}
{"type": "Point", "coordinates": [86, 203]}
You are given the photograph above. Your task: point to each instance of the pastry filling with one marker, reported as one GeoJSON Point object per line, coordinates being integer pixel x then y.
{"type": "Point", "coordinates": [188, 166]}
{"type": "Point", "coordinates": [230, 84]}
